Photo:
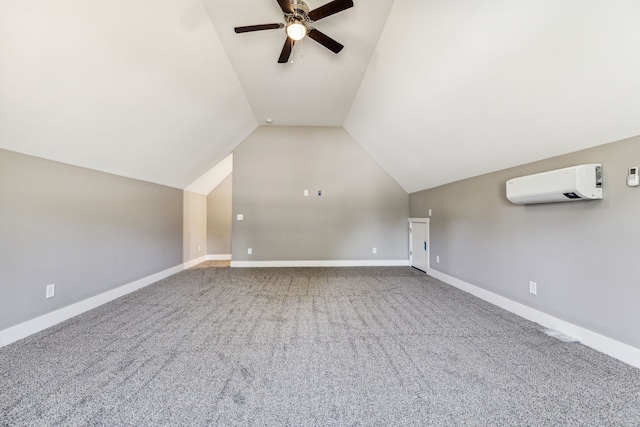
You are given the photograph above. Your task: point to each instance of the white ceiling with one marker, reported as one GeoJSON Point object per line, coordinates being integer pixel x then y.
{"type": "Point", "coordinates": [435, 90]}
{"type": "Point", "coordinates": [464, 87]}
{"type": "Point", "coordinates": [136, 88]}
{"type": "Point", "coordinates": [318, 86]}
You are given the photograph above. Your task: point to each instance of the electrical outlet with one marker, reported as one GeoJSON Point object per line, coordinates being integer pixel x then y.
{"type": "Point", "coordinates": [306, 193]}
{"type": "Point", "coordinates": [533, 288]}
{"type": "Point", "coordinates": [240, 217]}
{"type": "Point", "coordinates": [437, 259]}
{"type": "Point", "coordinates": [249, 251]}
{"type": "Point", "coordinates": [374, 251]}
{"type": "Point", "coordinates": [51, 290]}
{"type": "Point", "coordinates": [429, 212]}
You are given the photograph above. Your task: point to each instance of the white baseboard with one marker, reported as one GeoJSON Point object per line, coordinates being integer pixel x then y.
{"type": "Point", "coordinates": [328, 263]}
{"type": "Point", "coordinates": [196, 261]}
{"type": "Point", "coordinates": [22, 330]}
{"type": "Point", "coordinates": [219, 257]}
{"type": "Point", "coordinates": [609, 346]}
{"type": "Point", "coordinates": [603, 344]}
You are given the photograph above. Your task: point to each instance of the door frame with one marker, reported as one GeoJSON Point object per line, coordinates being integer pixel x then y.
{"type": "Point", "coordinates": [419, 220]}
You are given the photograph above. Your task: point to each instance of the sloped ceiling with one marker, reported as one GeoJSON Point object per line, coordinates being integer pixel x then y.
{"type": "Point", "coordinates": [137, 88]}
{"type": "Point", "coordinates": [435, 90]}
{"type": "Point", "coordinates": [460, 88]}
{"type": "Point", "coordinates": [317, 87]}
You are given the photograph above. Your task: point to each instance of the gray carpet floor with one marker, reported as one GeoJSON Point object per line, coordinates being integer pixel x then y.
{"type": "Point", "coordinates": [308, 346]}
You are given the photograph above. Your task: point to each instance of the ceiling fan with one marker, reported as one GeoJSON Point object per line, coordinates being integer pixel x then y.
{"type": "Point", "coordinates": [299, 23]}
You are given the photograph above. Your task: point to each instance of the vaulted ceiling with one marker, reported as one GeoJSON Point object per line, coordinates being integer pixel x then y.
{"type": "Point", "coordinates": [434, 90]}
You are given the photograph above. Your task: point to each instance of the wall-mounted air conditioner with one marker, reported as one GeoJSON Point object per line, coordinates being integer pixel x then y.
{"type": "Point", "coordinates": [582, 182]}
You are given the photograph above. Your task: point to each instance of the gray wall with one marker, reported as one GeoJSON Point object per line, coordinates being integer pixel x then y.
{"type": "Point", "coordinates": [219, 213]}
{"type": "Point", "coordinates": [361, 206]}
{"type": "Point", "coordinates": [583, 255]}
{"type": "Point", "coordinates": [195, 226]}
{"type": "Point", "coordinates": [86, 231]}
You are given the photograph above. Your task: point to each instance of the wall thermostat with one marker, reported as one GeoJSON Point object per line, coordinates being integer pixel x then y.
{"type": "Point", "coordinates": [633, 178]}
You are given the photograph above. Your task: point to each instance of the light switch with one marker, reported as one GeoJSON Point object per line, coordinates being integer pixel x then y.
{"type": "Point", "coordinates": [306, 193]}
{"type": "Point", "coordinates": [240, 217]}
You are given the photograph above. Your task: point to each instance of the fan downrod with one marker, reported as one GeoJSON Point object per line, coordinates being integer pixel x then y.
{"type": "Point", "coordinates": [300, 9]}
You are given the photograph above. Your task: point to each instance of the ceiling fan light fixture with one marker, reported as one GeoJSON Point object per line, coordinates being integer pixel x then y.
{"type": "Point", "coordinates": [300, 22]}
{"type": "Point", "coordinates": [296, 30]}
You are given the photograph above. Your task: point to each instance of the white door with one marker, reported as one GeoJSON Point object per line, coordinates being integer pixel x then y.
{"type": "Point", "coordinates": [419, 244]}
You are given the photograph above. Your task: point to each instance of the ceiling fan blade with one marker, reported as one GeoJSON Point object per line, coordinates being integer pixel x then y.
{"type": "Point", "coordinates": [250, 28]}
{"type": "Point", "coordinates": [325, 41]}
{"type": "Point", "coordinates": [286, 51]}
{"type": "Point", "coordinates": [330, 9]}
{"type": "Point", "coordinates": [286, 6]}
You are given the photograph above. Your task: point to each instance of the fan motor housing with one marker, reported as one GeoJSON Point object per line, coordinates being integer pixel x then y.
{"type": "Point", "coordinates": [300, 7]}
